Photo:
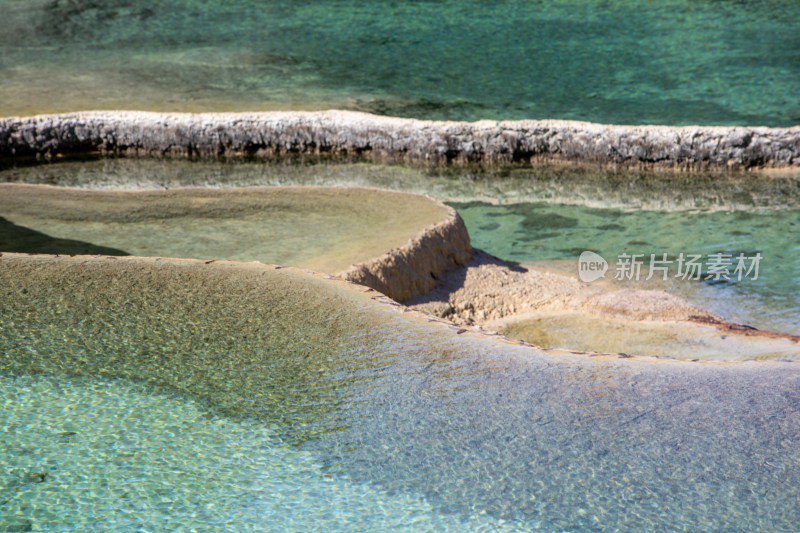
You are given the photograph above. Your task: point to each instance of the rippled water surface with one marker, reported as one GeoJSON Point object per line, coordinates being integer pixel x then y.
{"type": "Point", "coordinates": [91, 454]}
{"type": "Point", "coordinates": [302, 407]}
{"type": "Point", "coordinates": [518, 214]}
{"type": "Point", "coordinates": [171, 398]}
{"type": "Point", "coordinates": [540, 232]}
{"type": "Point", "coordinates": [632, 61]}
{"type": "Point", "coordinates": [154, 398]}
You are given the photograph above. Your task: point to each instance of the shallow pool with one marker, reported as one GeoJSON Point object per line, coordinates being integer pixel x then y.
{"type": "Point", "coordinates": [547, 215]}
{"type": "Point", "coordinates": [93, 453]}
{"type": "Point", "coordinates": [326, 229]}
{"type": "Point", "coordinates": [308, 405]}
{"type": "Point", "coordinates": [766, 297]}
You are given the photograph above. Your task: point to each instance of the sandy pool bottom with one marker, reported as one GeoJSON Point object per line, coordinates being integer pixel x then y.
{"type": "Point", "coordinates": [326, 229]}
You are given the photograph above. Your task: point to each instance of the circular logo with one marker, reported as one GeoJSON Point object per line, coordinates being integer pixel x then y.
{"type": "Point", "coordinates": [591, 266]}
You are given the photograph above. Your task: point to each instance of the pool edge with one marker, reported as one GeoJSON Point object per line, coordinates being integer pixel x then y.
{"type": "Point", "coordinates": [348, 134]}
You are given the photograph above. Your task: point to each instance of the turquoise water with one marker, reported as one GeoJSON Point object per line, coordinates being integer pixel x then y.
{"type": "Point", "coordinates": [281, 413]}
{"type": "Point", "coordinates": [547, 214]}
{"type": "Point", "coordinates": [553, 232]}
{"type": "Point", "coordinates": [94, 454]}
{"type": "Point", "coordinates": [358, 418]}
{"type": "Point", "coordinates": [629, 190]}
{"type": "Point", "coordinates": [633, 61]}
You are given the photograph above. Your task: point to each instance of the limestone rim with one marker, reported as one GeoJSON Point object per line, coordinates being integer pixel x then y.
{"type": "Point", "coordinates": [348, 134]}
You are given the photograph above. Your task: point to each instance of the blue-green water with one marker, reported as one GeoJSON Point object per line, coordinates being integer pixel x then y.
{"type": "Point", "coordinates": [99, 454]}
{"type": "Point", "coordinates": [632, 61]}
{"type": "Point", "coordinates": [540, 214]}
{"type": "Point", "coordinates": [552, 232]}
{"type": "Point", "coordinates": [363, 424]}
{"type": "Point", "coordinates": [304, 408]}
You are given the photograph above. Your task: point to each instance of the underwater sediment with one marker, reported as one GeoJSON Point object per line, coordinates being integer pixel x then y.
{"type": "Point", "coordinates": [397, 243]}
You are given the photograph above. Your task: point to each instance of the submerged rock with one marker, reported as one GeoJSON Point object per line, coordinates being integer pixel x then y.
{"type": "Point", "coordinates": [397, 243]}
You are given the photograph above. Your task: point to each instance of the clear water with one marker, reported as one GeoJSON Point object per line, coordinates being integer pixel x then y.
{"type": "Point", "coordinates": [573, 330]}
{"type": "Point", "coordinates": [627, 190]}
{"type": "Point", "coordinates": [339, 419]}
{"type": "Point", "coordinates": [100, 454]}
{"type": "Point", "coordinates": [557, 232]}
{"type": "Point", "coordinates": [632, 61]}
{"type": "Point", "coordinates": [326, 229]}
{"type": "Point", "coordinates": [353, 416]}
{"type": "Point", "coordinates": [547, 214]}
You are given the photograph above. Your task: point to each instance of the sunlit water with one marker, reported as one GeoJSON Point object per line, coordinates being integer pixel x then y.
{"type": "Point", "coordinates": [240, 413]}
{"type": "Point", "coordinates": [326, 229]}
{"type": "Point", "coordinates": [94, 454]}
{"type": "Point", "coordinates": [632, 61]}
{"type": "Point", "coordinates": [765, 294]}
{"type": "Point", "coordinates": [545, 215]}
{"type": "Point", "coordinates": [302, 407]}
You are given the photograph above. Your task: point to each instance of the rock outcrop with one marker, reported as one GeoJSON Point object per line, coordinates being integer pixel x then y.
{"type": "Point", "coordinates": [488, 291]}
{"type": "Point", "coordinates": [416, 268]}
{"type": "Point", "coordinates": [346, 134]}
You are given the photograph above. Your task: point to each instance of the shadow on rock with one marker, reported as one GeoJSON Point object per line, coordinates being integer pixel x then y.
{"type": "Point", "coordinates": [438, 301]}
{"type": "Point", "coordinates": [19, 239]}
